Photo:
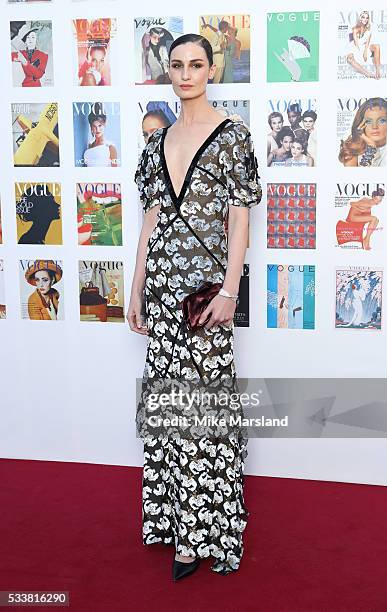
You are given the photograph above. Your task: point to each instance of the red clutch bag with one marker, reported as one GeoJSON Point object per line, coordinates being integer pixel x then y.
{"type": "Point", "coordinates": [194, 303]}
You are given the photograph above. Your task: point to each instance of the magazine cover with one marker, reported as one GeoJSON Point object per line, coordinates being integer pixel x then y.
{"type": "Point", "coordinates": [41, 289]}
{"type": "Point", "coordinates": [362, 44]}
{"type": "Point", "coordinates": [293, 46]}
{"type": "Point", "coordinates": [360, 214]}
{"type": "Point", "coordinates": [97, 134]}
{"type": "Point", "coordinates": [229, 36]}
{"type": "Point", "coordinates": [99, 210]}
{"type": "Point", "coordinates": [153, 37]}
{"type": "Point", "coordinates": [291, 215]}
{"type": "Point", "coordinates": [290, 296]}
{"type": "Point", "coordinates": [3, 308]}
{"type": "Point", "coordinates": [151, 116]}
{"type": "Point", "coordinates": [292, 135]}
{"type": "Point", "coordinates": [101, 291]}
{"type": "Point", "coordinates": [361, 131]}
{"type": "Point", "coordinates": [38, 213]}
{"type": "Point", "coordinates": [359, 298]}
{"type": "Point", "coordinates": [242, 311]}
{"type": "Point", "coordinates": [31, 53]}
{"type": "Point", "coordinates": [156, 114]}
{"type": "Point", "coordinates": [35, 134]}
{"type": "Point", "coordinates": [96, 51]}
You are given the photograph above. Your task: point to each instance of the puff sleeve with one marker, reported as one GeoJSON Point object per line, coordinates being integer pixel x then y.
{"type": "Point", "coordinates": [243, 182]}
{"type": "Point", "coordinates": [146, 175]}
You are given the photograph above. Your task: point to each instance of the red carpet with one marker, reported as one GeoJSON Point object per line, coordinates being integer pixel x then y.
{"type": "Point", "coordinates": [310, 546]}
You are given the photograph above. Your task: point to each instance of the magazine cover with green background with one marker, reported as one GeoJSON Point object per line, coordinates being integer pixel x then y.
{"type": "Point", "coordinates": [293, 46]}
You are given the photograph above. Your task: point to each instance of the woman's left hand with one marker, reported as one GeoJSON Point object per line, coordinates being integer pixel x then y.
{"type": "Point", "coordinates": [222, 311]}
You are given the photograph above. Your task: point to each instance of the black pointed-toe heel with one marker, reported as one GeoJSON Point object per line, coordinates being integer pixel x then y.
{"type": "Point", "coordinates": [180, 569]}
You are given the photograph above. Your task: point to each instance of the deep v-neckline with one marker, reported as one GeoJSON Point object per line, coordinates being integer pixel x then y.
{"type": "Point", "coordinates": [177, 199]}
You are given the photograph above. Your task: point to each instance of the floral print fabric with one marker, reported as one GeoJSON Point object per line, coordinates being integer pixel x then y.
{"type": "Point", "coordinates": [193, 488]}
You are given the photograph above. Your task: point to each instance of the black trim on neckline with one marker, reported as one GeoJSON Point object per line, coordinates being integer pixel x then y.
{"type": "Point", "coordinates": [177, 199]}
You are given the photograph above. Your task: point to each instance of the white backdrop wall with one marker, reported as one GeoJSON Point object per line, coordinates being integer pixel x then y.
{"type": "Point", "coordinates": [68, 388]}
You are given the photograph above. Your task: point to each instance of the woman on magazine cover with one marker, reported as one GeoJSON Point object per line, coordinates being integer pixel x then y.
{"type": "Point", "coordinates": [366, 145]}
{"type": "Point", "coordinates": [32, 60]}
{"type": "Point", "coordinates": [190, 176]}
{"type": "Point", "coordinates": [99, 152]}
{"type": "Point", "coordinates": [43, 303]}
{"type": "Point", "coordinates": [361, 49]}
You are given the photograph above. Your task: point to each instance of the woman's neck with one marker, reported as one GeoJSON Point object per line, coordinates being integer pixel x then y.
{"type": "Point", "coordinates": [196, 110]}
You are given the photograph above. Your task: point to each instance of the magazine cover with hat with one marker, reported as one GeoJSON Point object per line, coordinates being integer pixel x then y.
{"type": "Point", "coordinates": [31, 53]}
{"type": "Point", "coordinates": [39, 298]}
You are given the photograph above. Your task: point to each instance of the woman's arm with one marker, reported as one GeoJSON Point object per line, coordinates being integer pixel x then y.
{"type": "Point", "coordinates": [39, 71]}
{"type": "Point", "coordinates": [237, 235]}
{"type": "Point", "coordinates": [351, 162]}
{"type": "Point", "coordinates": [222, 308]}
{"type": "Point", "coordinates": [134, 311]}
{"type": "Point", "coordinates": [355, 37]}
{"type": "Point", "coordinates": [113, 155]}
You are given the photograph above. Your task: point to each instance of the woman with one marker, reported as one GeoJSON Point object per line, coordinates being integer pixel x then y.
{"type": "Point", "coordinates": [32, 60]}
{"type": "Point", "coordinates": [309, 119]}
{"type": "Point", "coordinates": [218, 45]}
{"type": "Point", "coordinates": [284, 140]}
{"type": "Point", "coordinates": [155, 54]}
{"type": "Point", "coordinates": [361, 212]}
{"type": "Point", "coordinates": [152, 121]}
{"type": "Point", "coordinates": [39, 208]}
{"type": "Point", "coordinates": [91, 71]}
{"type": "Point", "coordinates": [232, 51]}
{"type": "Point", "coordinates": [361, 50]}
{"type": "Point", "coordinates": [191, 175]}
{"type": "Point", "coordinates": [276, 122]}
{"type": "Point", "coordinates": [43, 303]}
{"type": "Point", "coordinates": [99, 152]}
{"type": "Point", "coordinates": [366, 146]}
{"type": "Point", "coordinates": [299, 156]}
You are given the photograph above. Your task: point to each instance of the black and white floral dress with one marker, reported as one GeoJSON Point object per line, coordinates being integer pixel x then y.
{"type": "Point", "coordinates": [193, 488]}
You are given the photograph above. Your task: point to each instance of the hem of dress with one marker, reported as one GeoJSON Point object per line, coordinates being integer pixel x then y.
{"type": "Point", "coordinates": [222, 567]}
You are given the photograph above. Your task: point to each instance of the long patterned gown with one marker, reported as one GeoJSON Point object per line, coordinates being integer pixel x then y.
{"type": "Point", "coordinates": [192, 489]}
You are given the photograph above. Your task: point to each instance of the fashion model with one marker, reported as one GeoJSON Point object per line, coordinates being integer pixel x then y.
{"type": "Point", "coordinates": [361, 212]}
{"type": "Point", "coordinates": [192, 176]}
{"type": "Point", "coordinates": [366, 145]}
{"type": "Point", "coordinates": [32, 60]}
{"type": "Point", "coordinates": [44, 301]}
{"type": "Point", "coordinates": [100, 152]}
{"type": "Point", "coordinates": [360, 48]}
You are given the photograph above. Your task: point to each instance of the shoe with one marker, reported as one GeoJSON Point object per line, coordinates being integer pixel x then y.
{"type": "Point", "coordinates": [180, 569]}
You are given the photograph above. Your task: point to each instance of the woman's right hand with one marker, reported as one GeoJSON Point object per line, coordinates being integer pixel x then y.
{"type": "Point", "coordinates": [133, 316]}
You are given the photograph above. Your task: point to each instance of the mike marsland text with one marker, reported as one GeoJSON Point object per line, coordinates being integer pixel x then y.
{"type": "Point", "coordinates": [214, 421]}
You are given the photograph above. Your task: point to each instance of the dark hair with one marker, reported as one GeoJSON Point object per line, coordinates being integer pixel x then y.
{"type": "Point", "coordinates": [159, 114]}
{"type": "Point", "coordinates": [285, 131]}
{"type": "Point", "coordinates": [50, 273]}
{"type": "Point", "coordinates": [294, 108]}
{"type": "Point", "coordinates": [303, 143]}
{"type": "Point", "coordinates": [194, 38]}
{"type": "Point", "coordinates": [310, 113]}
{"type": "Point", "coordinates": [379, 192]}
{"type": "Point", "coordinates": [98, 114]}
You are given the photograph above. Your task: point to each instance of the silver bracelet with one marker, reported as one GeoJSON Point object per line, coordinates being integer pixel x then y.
{"type": "Point", "coordinates": [225, 293]}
